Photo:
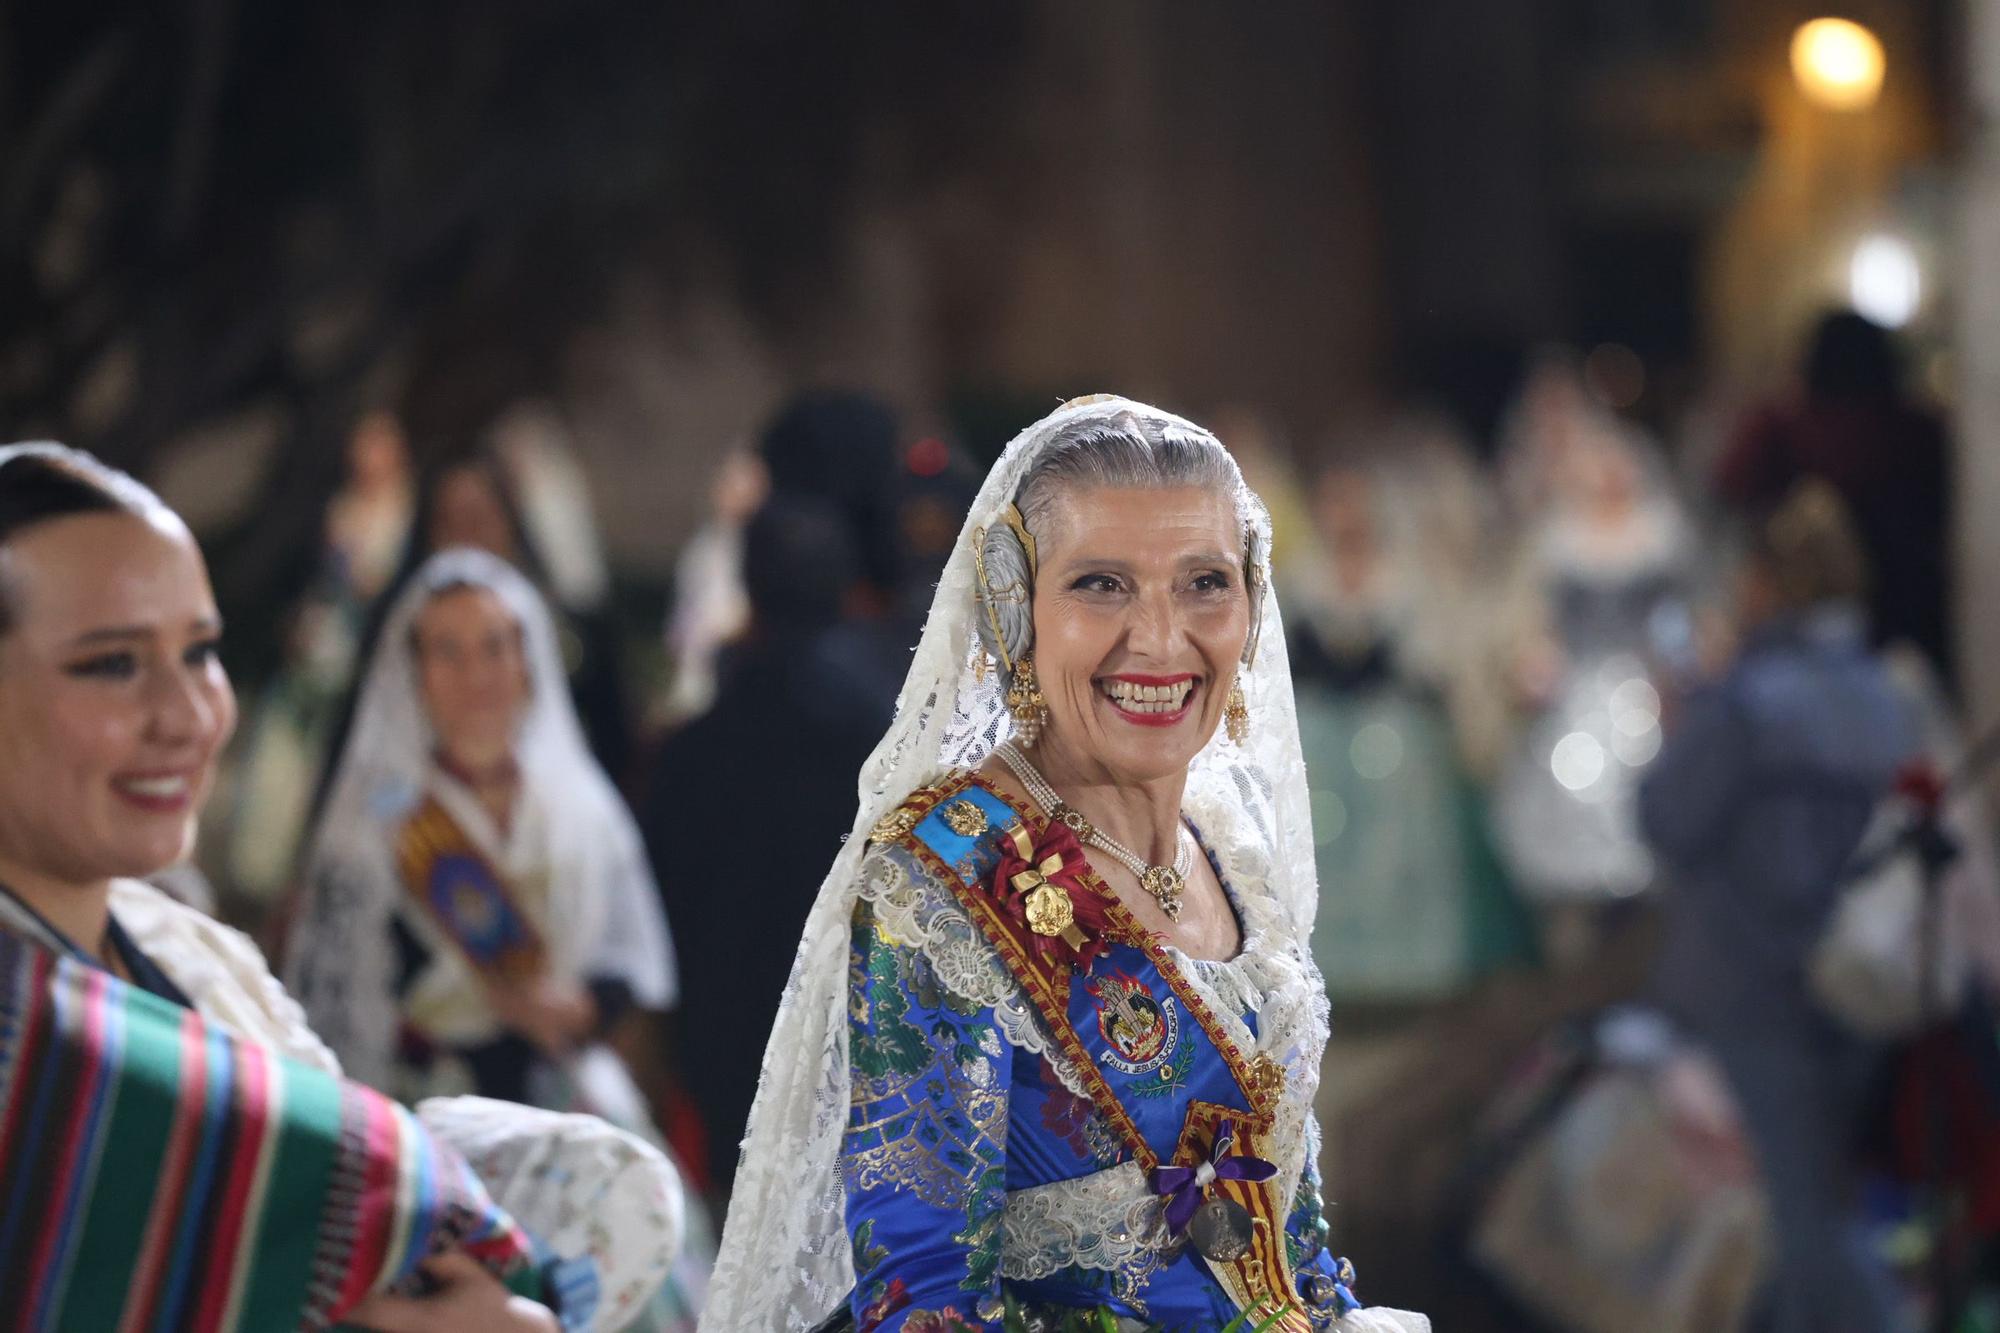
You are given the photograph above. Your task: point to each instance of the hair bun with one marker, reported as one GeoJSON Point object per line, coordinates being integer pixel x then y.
{"type": "Point", "coordinates": [1006, 592]}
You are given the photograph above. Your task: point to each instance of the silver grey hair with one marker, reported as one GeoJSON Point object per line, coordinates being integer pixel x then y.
{"type": "Point", "coordinates": [1125, 452]}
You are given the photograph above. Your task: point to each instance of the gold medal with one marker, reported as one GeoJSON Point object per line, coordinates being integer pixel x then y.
{"type": "Point", "coordinates": [1049, 910]}
{"type": "Point", "coordinates": [1266, 1082]}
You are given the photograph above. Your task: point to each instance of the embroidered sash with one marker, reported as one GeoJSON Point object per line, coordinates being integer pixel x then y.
{"type": "Point", "coordinates": [156, 1173]}
{"type": "Point", "coordinates": [465, 897]}
{"type": "Point", "coordinates": [1123, 1025]}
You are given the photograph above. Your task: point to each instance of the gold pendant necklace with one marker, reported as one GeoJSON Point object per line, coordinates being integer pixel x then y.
{"type": "Point", "coordinates": [1166, 884]}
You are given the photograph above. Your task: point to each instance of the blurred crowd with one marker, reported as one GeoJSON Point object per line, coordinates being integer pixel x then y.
{"type": "Point", "coordinates": [1609, 751]}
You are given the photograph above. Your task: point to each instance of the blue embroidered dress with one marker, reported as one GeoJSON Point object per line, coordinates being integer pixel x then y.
{"type": "Point", "coordinates": [1006, 1111]}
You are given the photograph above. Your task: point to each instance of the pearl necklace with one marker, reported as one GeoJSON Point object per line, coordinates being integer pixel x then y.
{"type": "Point", "coordinates": [1164, 883]}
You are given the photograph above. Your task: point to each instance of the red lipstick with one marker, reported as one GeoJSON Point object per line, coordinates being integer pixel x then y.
{"type": "Point", "coordinates": [1152, 719]}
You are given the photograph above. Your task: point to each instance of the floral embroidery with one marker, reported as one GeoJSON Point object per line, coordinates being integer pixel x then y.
{"type": "Point", "coordinates": [884, 1299]}
{"type": "Point", "coordinates": [982, 1230]}
{"type": "Point", "coordinates": [947, 1320]}
{"type": "Point", "coordinates": [928, 1111]}
{"type": "Point", "coordinates": [887, 1045]}
{"type": "Point", "coordinates": [1173, 1077]}
{"type": "Point", "coordinates": [868, 1256]}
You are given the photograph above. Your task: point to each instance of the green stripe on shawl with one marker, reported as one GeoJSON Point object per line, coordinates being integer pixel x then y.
{"type": "Point", "coordinates": [135, 1138]}
{"type": "Point", "coordinates": [310, 1210]}
{"type": "Point", "coordinates": [295, 1199]}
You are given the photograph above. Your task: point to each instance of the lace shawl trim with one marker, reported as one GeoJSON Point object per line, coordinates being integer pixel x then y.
{"type": "Point", "coordinates": [1108, 1220]}
{"type": "Point", "coordinates": [915, 909]}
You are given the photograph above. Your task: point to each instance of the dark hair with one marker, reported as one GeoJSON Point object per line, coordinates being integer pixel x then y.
{"type": "Point", "coordinates": [798, 561]}
{"type": "Point", "coordinates": [1851, 356]}
{"type": "Point", "coordinates": [415, 642]}
{"type": "Point", "coordinates": [47, 482]}
{"type": "Point", "coordinates": [842, 447]}
{"type": "Point", "coordinates": [486, 465]}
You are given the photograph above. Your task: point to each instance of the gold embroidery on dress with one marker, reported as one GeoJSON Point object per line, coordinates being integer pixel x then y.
{"type": "Point", "coordinates": [894, 826]}
{"type": "Point", "coordinates": [935, 1157]}
{"type": "Point", "coordinates": [1267, 1084]}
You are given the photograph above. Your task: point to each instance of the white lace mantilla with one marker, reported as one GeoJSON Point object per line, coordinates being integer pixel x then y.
{"type": "Point", "coordinates": [785, 1261]}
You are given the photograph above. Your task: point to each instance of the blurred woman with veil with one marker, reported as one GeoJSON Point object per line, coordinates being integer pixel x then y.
{"type": "Point", "coordinates": [1402, 714]}
{"type": "Point", "coordinates": [480, 497]}
{"type": "Point", "coordinates": [1604, 591]}
{"type": "Point", "coordinates": [1050, 1045]}
{"type": "Point", "coordinates": [478, 912]}
{"type": "Point", "coordinates": [478, 907]}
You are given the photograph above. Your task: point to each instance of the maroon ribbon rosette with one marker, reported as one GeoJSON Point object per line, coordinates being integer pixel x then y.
{"type": "Point", "coordinates": [1039, 881]}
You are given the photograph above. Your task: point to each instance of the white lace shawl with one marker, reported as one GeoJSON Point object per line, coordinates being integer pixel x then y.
{"type": "Point", "coordinates": [603, 914]}
{"type": "Point", "coordinates": [785, 1261]}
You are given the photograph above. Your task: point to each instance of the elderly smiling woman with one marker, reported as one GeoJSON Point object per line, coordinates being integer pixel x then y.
{"type": "Point", "coordinates": [1049, 1051]}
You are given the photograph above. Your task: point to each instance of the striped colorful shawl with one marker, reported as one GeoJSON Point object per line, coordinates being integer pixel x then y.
{"type": "Point", "coordinates": [157, 1174]}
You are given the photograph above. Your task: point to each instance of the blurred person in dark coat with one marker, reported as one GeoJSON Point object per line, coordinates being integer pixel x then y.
{"type": "Point", "coordinates": [843, 448]}
{"type": "Point", "coordinates": [901, 505]}
{"type": "Point", "coordinates": [1762, 793]}
{"type": "Point", "coordinates": [789, 703]}
{"type": "Point", "coordinates": [1886, 455]}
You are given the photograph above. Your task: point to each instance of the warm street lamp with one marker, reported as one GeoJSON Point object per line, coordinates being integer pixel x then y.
{"type": "Point", "coordinates": [1838, 64]}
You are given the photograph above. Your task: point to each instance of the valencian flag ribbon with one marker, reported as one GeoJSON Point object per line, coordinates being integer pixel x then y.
{"type": "Point", "coordinates": [1184, 1186]}
{"type": "Point", "coordinates": [465, 896]}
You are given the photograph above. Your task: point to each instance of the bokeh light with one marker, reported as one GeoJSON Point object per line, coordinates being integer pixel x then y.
{"type": "Point", "coordinates": [1838, 64]}
{"type": "Point", "coordinates": [1884, 280]}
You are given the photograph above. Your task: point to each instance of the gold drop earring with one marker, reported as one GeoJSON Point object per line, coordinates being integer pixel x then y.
{"type": "Point", "coordinates": [1236, 715]}
{"type": "Point", "coordinates": [1024, 700]}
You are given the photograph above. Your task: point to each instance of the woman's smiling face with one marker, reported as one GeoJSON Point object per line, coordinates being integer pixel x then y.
{"type": "Point", "coordinates": [113, 701]}
{"type": "Point", "coordinates": [472, 673]}
{"type": "Point", "coordinates": [1142, 611]}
